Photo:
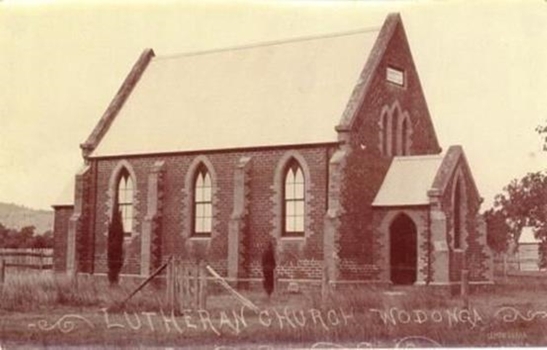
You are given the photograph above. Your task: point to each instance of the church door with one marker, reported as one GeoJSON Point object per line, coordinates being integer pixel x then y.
{"type": "Point", "coordinates": [403, 250]}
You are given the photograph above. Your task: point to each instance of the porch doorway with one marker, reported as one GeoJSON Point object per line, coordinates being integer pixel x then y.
{"type": "Point", "coordinates": [403, 250]}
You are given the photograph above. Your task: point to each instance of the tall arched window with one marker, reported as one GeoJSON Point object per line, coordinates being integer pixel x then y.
{"type": "Point", "coordinates": [457, 217]}
{"type": "Point", "coordinates": [203, 203]}
{"type": "Point", "coordinates": [394, 132]}
{"type": "Point", "coordinates": [294, 199]}
{"type": "Point", "coordinates": [125, 201]}
{"type": "Point", "coordinates": [385, 133]}
{"type": "Point", "coordinates": [404, 137]}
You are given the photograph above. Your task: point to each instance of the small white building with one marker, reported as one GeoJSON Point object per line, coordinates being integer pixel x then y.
{"type": "Point", "coordinates": [528, 250]}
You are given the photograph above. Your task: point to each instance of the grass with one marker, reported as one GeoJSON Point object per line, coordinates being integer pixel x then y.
{"type": "Point", "coordinates": [349, 317]}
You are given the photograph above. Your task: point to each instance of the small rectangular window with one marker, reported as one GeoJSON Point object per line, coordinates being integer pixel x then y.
{"type": "Point", "coordinates": [395, 76]}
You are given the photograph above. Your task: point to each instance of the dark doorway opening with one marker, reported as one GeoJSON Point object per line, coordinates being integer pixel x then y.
{"type": "Point", "coordinates": [403, 250]}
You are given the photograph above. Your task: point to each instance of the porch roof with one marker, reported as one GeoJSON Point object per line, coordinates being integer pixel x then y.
{"type": "Point", "coordinates": [408, 180]}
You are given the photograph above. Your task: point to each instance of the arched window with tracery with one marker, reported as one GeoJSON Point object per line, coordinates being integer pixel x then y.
{"type": "Point", "coordinates": [394, 132]}
{"type": "Point", "coordinates": [125, 191]}
{"type": "Point", "coordinates": [404, 137]}
{"type": "Point", "coordinates": [203, 203]}
{"type": "Point", "coordinates": [457, 216]}
{"type": "Point", "coordinates": [385, 133]}
{"type": "Point", "coordinates": [293, 200]}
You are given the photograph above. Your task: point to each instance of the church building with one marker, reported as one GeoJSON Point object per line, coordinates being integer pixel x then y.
{"type": "Point", "coordinates": [322, 146]}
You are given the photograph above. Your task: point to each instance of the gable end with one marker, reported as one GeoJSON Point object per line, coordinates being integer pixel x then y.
{"type": "Point", "coordinates": [365, 79]}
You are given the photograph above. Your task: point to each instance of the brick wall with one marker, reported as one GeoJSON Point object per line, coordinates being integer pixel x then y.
{"type": "Point", "coordinates": [366, 166]}
{"type": "Point", "coordinates": [297, 257]}
{"type": "Point", "coordinates": [60, 232]}
{"type": "Point", "coordinates": [475, 257]}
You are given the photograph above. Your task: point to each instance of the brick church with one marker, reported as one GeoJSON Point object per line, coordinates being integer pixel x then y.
{"type": "Point", "coordinates": [323, 146]}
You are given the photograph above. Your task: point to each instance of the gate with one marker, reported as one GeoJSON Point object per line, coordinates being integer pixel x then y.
{"type": "Point", "coordinates": [186, 285]}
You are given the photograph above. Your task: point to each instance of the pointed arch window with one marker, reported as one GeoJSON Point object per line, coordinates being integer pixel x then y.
{"type": "Point", "coordinates": [125, 191]}
{"type": "Point", "coordinates": [294, 200]}
{"type": "Point", "coordinates": [385, 133]}
{"type": "Point", "coordinates": [203, 203]}
{"type": "Point", "coordinates": [404, 137]}
{"type": "Point", "coordinates": [394, 132]}
{"type": "Point", "coordinates": [457, 217]}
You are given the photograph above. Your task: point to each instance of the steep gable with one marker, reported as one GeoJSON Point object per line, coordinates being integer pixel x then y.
{"type": "Point", "coordinates": [453, 162]}
{"type": "Point", "coordinates": [389, 79]}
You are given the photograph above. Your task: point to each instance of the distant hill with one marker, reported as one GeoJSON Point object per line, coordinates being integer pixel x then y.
{"type": "Point", "coordinates": [18, 216]}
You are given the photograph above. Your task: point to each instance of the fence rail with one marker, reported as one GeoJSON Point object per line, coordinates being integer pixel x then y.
{"type": "Point", "coordinates": [39, 259]}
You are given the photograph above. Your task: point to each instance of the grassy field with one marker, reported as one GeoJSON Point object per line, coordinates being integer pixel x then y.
{"type": "Point", "coordinates": [44, 310]}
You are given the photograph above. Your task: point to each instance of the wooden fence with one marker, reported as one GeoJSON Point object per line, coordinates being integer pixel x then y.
{"type": "Point", "coordinates": [186, 285]}
{"type": "Point", "coordinates": [39, 259]}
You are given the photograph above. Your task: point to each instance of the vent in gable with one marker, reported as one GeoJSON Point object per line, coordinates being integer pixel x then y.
{"type": "Point", "coordinates": [395, 76]}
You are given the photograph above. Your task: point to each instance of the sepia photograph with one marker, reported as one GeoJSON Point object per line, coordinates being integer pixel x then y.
{"type": "Point", "coordinates": [273, 174]}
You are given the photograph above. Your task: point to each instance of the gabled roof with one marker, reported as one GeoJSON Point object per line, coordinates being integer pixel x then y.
{"type": "Point", "coordinates": [272, 94]}
{"type": "Point", "coordinates": [411, 180]}
{"type": "Point", "coordinates": [408, 180]}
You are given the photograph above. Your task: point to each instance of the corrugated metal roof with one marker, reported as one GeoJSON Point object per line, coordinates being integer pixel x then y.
{"type": "Point", "coordinates": [408, 180]}
{"type": "Point", "coordinates": [284, 93]}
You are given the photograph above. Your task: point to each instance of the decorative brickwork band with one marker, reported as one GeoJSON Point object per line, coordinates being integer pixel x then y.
{"type": "Point", "coordinates": [151, 229]}
{"type": "Point", "coordinates": [237, 250]}
{"type": "Point", "coordinates": [76, 224]}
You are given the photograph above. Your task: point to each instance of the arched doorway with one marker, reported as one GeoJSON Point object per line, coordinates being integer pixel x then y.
{"type": "Point", "coordinates": [403, 250]}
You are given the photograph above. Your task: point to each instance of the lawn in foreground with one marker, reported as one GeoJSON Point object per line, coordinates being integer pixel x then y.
{"type": "Point", "coordinates": [511, 313]}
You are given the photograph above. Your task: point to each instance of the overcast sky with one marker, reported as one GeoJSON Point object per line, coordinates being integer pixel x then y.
{"type": "Point", "coordinates": [483, 67]}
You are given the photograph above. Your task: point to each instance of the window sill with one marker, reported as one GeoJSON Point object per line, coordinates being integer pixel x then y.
{"type": "Point", "coordinates": [200, 238]}
{"type": "Point", "coordinates": [293, 238]}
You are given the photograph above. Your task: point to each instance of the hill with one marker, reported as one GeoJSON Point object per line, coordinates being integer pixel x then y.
{"type": "Point", "coordinates": [18, 216]}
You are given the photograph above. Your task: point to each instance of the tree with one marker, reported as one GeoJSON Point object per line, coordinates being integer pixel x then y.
{"type": "Point", "coordinates": [115, 247]}
{"type": "Point", "coordinates": [524, 203]}
{"type": "Point", "coordinates": [497, 230]}
{"type": "Point", "coordinates": [26, 236]}
{"type": "Point", "coordinates": [268, 269]}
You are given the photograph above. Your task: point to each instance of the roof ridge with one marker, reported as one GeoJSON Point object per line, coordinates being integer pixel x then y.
{"type": "Point", "coordinates": [270, 43]}
{"type": "Point", "coordinates": [419, 156]}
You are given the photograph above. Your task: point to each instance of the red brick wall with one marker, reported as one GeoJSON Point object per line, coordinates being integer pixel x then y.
{"type": "Point", "coordinates": [60, 232]}
{"type": "Point", "coordinates": [302, 260]}
{"type": "Point", "coordinates": [474, 259]}
{"type": "Point", "coordinates": [366, 166]}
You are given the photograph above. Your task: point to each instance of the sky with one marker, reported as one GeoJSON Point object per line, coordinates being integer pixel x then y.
{"type": "Point", "coordinates": [482, 65]}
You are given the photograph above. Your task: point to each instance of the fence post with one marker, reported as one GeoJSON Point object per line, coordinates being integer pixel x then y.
{"type": "Point", "coordinates": [275, 280]}
{"type": "Point", "coordinates": [169, 285]}
{"type": "Point", "coordinates": [2, 271]}
{"type": "Point", "coordinates": [504, 267]}
{"type": "Point", "coordinates": [465, 288]}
